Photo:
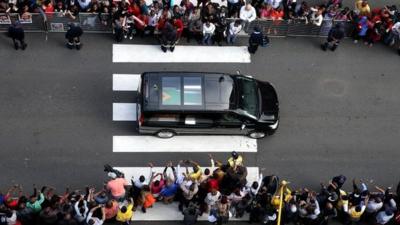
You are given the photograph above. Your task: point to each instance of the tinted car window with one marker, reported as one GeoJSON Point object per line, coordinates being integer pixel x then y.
{"type": "Point", "coordinates": [192, 91]}
{"type": "Point", "coordinates": [171, 90]}
{"type": "Point", "coordinates": [219, 94]}
{"type": "Point", "coordinates": [248, 96]}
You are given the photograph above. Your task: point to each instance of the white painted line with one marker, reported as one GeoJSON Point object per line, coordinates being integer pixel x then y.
{"type": "Point", "coordinates": [125, 82]}
{"type": "Point", "coordinates": [148, 143]}
{"type": "Point", "coordinates": [124, 111]}
{"type": "Point", "coordinates": [162, 212]}
{"type": "Point", "coordinates": [182, 54]}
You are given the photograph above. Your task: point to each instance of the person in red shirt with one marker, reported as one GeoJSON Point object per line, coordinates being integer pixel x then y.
{"type": "Point", "coordinates": [48, 7]}
{"type": "Point", "coordinates": [134, 9]}
{"type": "Point", "coordinates": [277, 17]}
{"type": "Point", "coordinates": [178, 24]}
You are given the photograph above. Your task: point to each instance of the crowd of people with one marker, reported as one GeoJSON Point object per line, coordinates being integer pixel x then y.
{"type": "Point", "coordinates": [219, 192]}
{"type": "Point", "coordinates": [206, 21]}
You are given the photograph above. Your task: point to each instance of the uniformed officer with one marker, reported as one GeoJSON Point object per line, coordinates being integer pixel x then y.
{"type": "Point", "coordinates": [17, 34]}
{"type": "Point", "coordinates": [73, 36]}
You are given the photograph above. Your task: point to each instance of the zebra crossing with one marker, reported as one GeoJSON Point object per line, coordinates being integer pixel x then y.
{"type": "Point", "coordinates": [126, 112]}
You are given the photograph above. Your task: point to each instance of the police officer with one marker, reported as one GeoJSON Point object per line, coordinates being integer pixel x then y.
{"type": "Point", "coordinates": [73, 36]}
{"type": "Point", "coordinates": [256, 39]}
{"type": "Point", "coordinates": [335, 35]}
{"type": "Point", "coordinates": [17, 34]}
{"type": "Point", "coordinates": [168, 37]}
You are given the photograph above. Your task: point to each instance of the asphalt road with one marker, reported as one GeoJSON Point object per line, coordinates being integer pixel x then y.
{"type": "Point", "coordinates": [339, 112]}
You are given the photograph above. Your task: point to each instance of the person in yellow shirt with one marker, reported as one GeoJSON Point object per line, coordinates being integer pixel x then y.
{"type": "Point", "coordinates": [197, 171]}
{"type": "Point", "coordinates": [235, 160]}
{"type": "Point", "coordinates": [362, 7]}
{"type": "Point", "coordinates": [125, 213]}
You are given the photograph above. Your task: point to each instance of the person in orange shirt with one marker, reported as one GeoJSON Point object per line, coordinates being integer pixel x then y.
{"type": "Point", "coordinates": [111, 209]}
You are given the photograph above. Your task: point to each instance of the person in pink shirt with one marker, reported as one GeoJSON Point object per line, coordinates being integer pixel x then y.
{"type": "Point", "coordinates": [156, 185]}
{"type": "Point", "coordinates": [116, 187]}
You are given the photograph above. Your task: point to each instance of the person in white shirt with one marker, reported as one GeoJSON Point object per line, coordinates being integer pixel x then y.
{"type": "Point", "coordinates": [212, 199]}
{"type": "Point", "coordinates": [275, 3]}
{"type": "Point", "coordinates": [90, 220]}
{"type": "Point", "coordinates": [394, 35]}
{"type": "Point", "coordinates": [208, 32]}
{"type": "Point", "coordinates": [84, 4]}
{"type": "Point", "coordinates": [316, 16]}
{"type": "Point", "coordinates": [248, 13]}
{"type": "Point", "coordinates": [374, 205]}
{"type": "Point", "coordinates": [234, 29]}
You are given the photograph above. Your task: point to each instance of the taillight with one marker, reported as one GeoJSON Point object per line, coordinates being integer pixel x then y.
{"type": "Point", "coordinates": [141, 119]}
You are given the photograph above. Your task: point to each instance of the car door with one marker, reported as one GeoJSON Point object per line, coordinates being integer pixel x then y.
{"type": "Point", "coordinates": [197, 123]}
{"type": "Point", "coordinates": [230, 123]}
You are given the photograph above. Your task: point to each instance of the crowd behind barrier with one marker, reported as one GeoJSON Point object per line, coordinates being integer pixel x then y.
{"type": "Point", "coordinates": [221, 192]}
{"type": "Point", "coordinates": [275, 17]}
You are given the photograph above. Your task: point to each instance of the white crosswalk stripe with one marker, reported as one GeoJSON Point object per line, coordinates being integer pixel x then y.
{"type": "Point", "coordinates": [125, 82]}
{"type": "Point", "coordinates": [207, 143]}
{"type": "Point", "coordinates": [124, 111]}
{"type": "Point", "coordinates": [182, 54]}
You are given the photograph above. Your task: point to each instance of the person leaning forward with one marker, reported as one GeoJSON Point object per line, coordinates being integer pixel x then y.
{"type": "Point", "coordinates": [17, 34]}
{"type": "Point", "coordinates": [73, 36]}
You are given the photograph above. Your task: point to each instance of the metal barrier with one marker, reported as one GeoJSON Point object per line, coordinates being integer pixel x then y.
{"type": "Point", "coordinates": [32, 22]}
{"type": "Point", "coordinates": [90, 22]}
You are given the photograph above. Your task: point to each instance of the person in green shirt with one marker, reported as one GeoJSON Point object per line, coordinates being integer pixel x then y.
{"type": "Point", "coordinates": [35, 203]}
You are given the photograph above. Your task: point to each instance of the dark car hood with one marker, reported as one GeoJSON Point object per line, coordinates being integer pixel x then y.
{"type": "Point", "coordinates": [269, 102]}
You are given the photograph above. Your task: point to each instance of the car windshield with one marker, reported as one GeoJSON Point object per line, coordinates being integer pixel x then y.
{"type": "Point", "coordinates": [248, 96]}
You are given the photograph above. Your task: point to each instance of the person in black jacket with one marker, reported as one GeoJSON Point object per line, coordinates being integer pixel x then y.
{"type": "Point", "coordinates": [256, 39]}
{"type": "Point", "coordinates": [73, 36]}
{"type": "Point", "coordinates": [17, 34]}
{"type": "Point", "coordinates": [168, 37]}
{"type": "Point", "coordinates": [335, 35]}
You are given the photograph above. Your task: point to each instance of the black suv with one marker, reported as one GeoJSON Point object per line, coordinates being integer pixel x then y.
{"type": "Point", "coordinates": [172, 103]}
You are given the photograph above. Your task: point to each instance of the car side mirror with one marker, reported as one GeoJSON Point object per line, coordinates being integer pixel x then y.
{"type": "Point", "coordinates": [243, 126]}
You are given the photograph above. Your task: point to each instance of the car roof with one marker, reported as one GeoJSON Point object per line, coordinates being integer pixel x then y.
{"type": "Point", "coordinates": [188, 91]}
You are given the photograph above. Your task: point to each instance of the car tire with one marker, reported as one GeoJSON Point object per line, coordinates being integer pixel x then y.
{"type": "Point", "coordinates": [256, 134]}
{"type": "Point", "coordinates": [165, 133]}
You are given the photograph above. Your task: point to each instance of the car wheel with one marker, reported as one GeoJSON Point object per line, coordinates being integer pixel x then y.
{"type": "Point", "coordinates": [256, 134]}
{"type": "Point", "coordinates": [165, 134]}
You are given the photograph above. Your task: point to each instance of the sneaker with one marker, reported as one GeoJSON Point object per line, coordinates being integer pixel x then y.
{"type": "Point", "coordinates": [24, 46]}
{"type": "Point", "coordinates": [143, 209]}
{"type": "Point", "coordinates": [172, 49]}
{"type": "Point", "coordinates": [130, 37]}
{"type": "Point", "coordinates": [69, 46]}
{"type": "Point", "coordinates": [16, 46]}
{"type": "Point", "coordinates": [125, 36]}
{"type": "Point", "coordinates": [323, 47]}
{"type": "Point", "coordinates": [78, 47]}
{"type": "Point", "coordinates": [333, 48]}
{"type": "Point", "coordinates": [164, 49]}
